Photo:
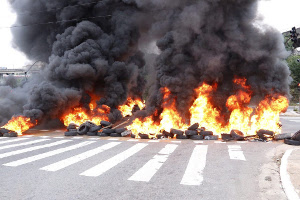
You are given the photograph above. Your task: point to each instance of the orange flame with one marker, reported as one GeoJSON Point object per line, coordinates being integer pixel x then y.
{"type": "Point", "coordinates": [19, 124]}
{"type": "Point", "coordinates": [80, 115]}
{"type": "Point", "coordinates": [126, 109]}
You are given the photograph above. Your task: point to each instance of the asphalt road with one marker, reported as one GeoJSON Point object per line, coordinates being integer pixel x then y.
{"type": "Point", "coordinates": [49, 166]}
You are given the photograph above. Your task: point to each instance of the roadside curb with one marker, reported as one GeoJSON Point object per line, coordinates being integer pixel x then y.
{"type": "Point", "coordinates": [286, 182]}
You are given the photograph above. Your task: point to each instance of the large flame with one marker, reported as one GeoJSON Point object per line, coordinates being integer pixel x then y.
{"type": "Point", "coordinates": [241, 115]}
{"type": "Point", "coordinates": [19, 124]}
{"type": "Point", "coordinates": [80, 115]}
{"type": "Point", "coordinates": [126, 109]}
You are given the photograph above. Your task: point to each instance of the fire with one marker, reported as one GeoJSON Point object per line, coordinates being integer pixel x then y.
{"type": "Point", "coordinates": [80, 115]}
{"type": "Point", "coordinates": [240, 115]}
{"type": "Point", "coordinates": [19, 124]}
{"type": "Point", "coordinates": [126, 109]}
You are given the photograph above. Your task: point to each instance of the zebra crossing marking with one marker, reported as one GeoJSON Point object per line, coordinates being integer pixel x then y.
{"type": "Point", "coordinates": [75, 159]}
{"type": "Point", "coordinates": [110, 163]}
{"type": "Point", "coordinates": [47, 154]}
{"type": "Point", "coordinates": [194, 172]}
{"type": "Point", "coordinates": [13, 140]}
{"type": "Point", "coordinates": [236, 153]}
{"type": "Point", "coordinates": [152, 166]}
{"type": "Point", "coordinates": [23, 144]}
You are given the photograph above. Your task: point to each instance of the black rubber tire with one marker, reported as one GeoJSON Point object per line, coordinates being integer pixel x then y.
{"type": "Point", "coordinates": [160, 136]}
{"type": "Point", "coordinates": [206, 133]}
{"type": "Point", "coordinates": [101, 134]}
{"type": "Point", "coordinates": [95, 129]}
{"type": "Point", "coordinates": [283, 136]}
{"type": "Point", "coordinates": [237, 135]}
{"type": "Point", "coordinates": [296, 136]}
{"type": "Point", "coordinates": [211, 137]}
{"type": "Point", "coordinates": [10, 134]}
{"type": "Point", "coordinates": [191, 132]}
{"type": "Point", "coordinates": [105, 123]}
{"type": "Point", "coordinates": [292, 142]}
{"type": "Point", "coordinates": [71, 133]}
{"type": "Point", "coordinates": [1, 134]}
{"type": "Point", "coordinates": [72, 130]}
{"type": "Point", "coordinates": [265, 132]}
{"type": "Point", "coordinates": [91, 133]}
{"type": "Point", "coordinates": [197, 137]}
{"type": "Point", "coordinates": [144, 136]}
{"type": "Point", "coordinates": [132, 135]}
{"type": "Point", "coordinates": [115, 135]}
{"type": "Point", "coordinates": [108, 131]}
{"type": "Point", "coordinates": [194, 127]}
{"type": "Point", "coordinates": [176, 132]}
{"type": "Point", "coordinates": [72, 126]}
{"type": "Point", "coordinates": [226, 137]}
{"type": "Point", "coordinates": [4, 130]}
{"type": "Point", "coordinates": [168, 134]}
{"type": "Point", "coordinates": [181, 137]}
{"type": "Point", "coordinates": [120, 130]}
{"type": "Point", "coordinates": [83, 129]}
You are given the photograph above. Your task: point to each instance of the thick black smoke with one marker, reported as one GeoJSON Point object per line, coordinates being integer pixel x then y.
{"type": "Point", "coordinates": [197, 41]}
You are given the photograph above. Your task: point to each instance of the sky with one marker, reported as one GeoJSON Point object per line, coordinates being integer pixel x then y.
{"type": "Point", "coordinates": [280, 14]}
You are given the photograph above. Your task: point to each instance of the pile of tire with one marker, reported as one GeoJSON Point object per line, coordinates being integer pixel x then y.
{"type": "Point", "coordinates": [7, 133]}
{"type": "Point", "coordinates": [294, 140]}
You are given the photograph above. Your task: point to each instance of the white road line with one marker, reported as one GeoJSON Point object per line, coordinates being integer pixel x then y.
{"type": "Point", "coordinates": [198, 142]}
{"type": "Point", "coordinates": [77, 137]}
{"type": "Point", "coordinates": [176, 142]}
{"type": "Point", "coordinates": [28, 136]}
{"type": "Point", "coordinates": [132, 140]}
{"type": "Point", "coordinates": [74, 159]}
{"type": "Point", "coordinates": [113, 139]}
{"type": "Point", "coordinates": [241, 142]}
{"type": "Point", "coordinates": [13, 140]}
{"type": "Point", "coordinates": [12, 153]}
{"type": "Point", "coordinates": [194, 172]}
{"type": "Point", "coordinates": [295, 120]}
{"type": "Point", "coordinates": [153, 141]}
{"type": "Point", "coordinates": [23, 144]}
{"type": "Point", "coordinates": [47, 154]}
{"type": "Point", "coordinates": [1, 138]}
{"type": "Point", "coordinates": [94, 138]}
{"type": "Point", "coordinates": [285, 177]}
{"type": "Point", "coordinates": [44, 136]}
{"type": "Point", "coordinates": [110, 163]}
{"type": "Point", "coordinates": [235, 152]}
{"type": "Point", "coordinates": [219, 142]}
{"type": "Point", "coordinates": [152, 166]}
{"type": "Point", "coordinates": [58, 137]}
{"type": "Point", "coordinates": [45, 130]}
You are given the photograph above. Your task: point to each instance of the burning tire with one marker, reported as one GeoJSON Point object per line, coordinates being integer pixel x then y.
{"type": "Point", "coordinates": [91, 133]}
{"type": "Point", "coordinates": [283, 136]}
{"type": "Point", "coordinates": [191, 132]}
{"type": "Point", "coordinates": [176, 132]}
{"type": "Point", "coordinates": [4, 130]}
{"type": "Point", "coordinates": [226, 137]}
{"type": "Point", "coordinates": [101, 134]}
{"type": "Point", "coordinates": [10, 134]}
{"type": "Point", "coordinates": [296, 136]}
{"type": "Point", "coordinates": [71, 126]}
{"type": "Point", "coordinates": [144, 136]}
{"type": "Point", "coordinates": [95, 129]}
{"type": "Point", "coordinates": [115, 135]}
{"type": "Point", "coordinates": [181, 137]}
{"type": "Point", "coordinates": [120, 130]}
{"type": "Point", "coordinates": [206, 133]}
{"type": "Point", "coordinates": [292, 142]}
{"type": "Point", "coordinates": [108, 131]}
{"type": "Point", "coordinates": [83, 129]}
{"type": "Point", "coordinates": [265, 134]}
{"type": "Point", "coordinates": [168, 134]}
{"type": "Point", "coordinates": [237, 135]}
{"type": "Point", "coordinates": [105, 123]}
{"type": "Point", "coordinates": [71, 133]}
{"type": "Point", "coordinates": [196, 137]}
{"type": "Point", "coordinates": [211, 137]}
{"type": "Point", "coordinates": [194, 127]}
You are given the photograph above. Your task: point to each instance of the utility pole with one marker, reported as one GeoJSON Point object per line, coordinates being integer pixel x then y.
{"type": "Point", "coordinates": [298, 87]}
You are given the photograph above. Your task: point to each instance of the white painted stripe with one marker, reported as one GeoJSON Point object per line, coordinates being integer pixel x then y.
{"type": "Point", "coordinates": [194, 172]}
{"type": "Point", "coordinates": [1, 138]}
{"type": "Point", "coordinates": [47, 154]}
{"type": "Point", "coordinates": [110, 163]}
{"type": "Point", "coordinates": [58, 131]}
{"type": "Point", "coordinates": [153, 141]}
{"type": "Point", "coordinates": [295, 120]}
{"type": "Point", "coordinates": [178, 142]}
{"type": "Point", "coordinates": [113, 139]}
{"type": "Point", "coordinates": [4, 155]}
{"type": "Point", "coordinates": [44, 136]}
{"type": "Point", "coordinates": [94, 138]}
{"type": "Point", "coordinates": [285, 177]}
{"type": "Point", "coordinates": [241, 142]}
{"type": "Point", "coordinates": [58, 137]}
{"type": "Point", "coordinates": [28, 136]}
{"type": "Point", "coordinates": [152, 166]}
{"type": "Point", "coordinates": [132, 140]}
{"type": "Point", "coordinates": [198, 142]}
{"type": "Point", "coordinates": [77, 137]}
{"type": "Point", "coordinates": [23, 144]}
{"type": "Point", "coordinates": [75, 159]}
{"type": "Point", "coordinates": [13, 140]}
{"type": "Point", "coordinates": [235, 152]}
{"type": "Point", "coordinates": [219, 142]}
{"type": "Point", "coordinates": [45, 130]}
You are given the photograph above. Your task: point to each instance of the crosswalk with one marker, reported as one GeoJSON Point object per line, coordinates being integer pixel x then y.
{"type": "Point", "coordinates": [16, 152]}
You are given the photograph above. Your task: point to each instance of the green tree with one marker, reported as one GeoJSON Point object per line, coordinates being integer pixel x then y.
{"type": "Point", "coordinates": [294, 66]}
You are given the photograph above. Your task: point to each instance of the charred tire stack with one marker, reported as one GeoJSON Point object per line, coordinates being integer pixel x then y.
{"type": "Point", "coordinates": [7, 133]}
{"type": "Point", "coordinates": [294, 140]}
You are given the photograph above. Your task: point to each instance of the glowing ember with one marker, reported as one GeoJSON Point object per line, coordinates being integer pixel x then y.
{"type": "Point", "coordinates": [126, 109]}
{"type": "Point", "coordinates": [19, 124]}
{"type": "Point", "coordinates": [241, 116]}
{"type": "Point", "coordinates": [80, 115]}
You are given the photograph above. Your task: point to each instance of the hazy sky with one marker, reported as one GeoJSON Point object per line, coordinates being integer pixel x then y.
{"type": "Point", "coordinates": [281, 14]}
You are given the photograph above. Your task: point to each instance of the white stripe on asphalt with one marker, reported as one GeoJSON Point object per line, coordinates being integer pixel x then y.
{"type": "Point", "coordinates": [13, 140]}
{"type": "Point", "coordinates": [47, 154]}
{"type": "Point", "coordinates": [152, 166]}
{"type": "Point", "coordinates": [241, 142]}
{"type": "Point", "coordinates": [1, 138]}
{"type": "Point", "coordinates": [198, 142]}
{"type": "Point", "coordinates": [153, 141]}
{"type": "Point", "coordinates": [58, 137]}
{"type": "Point", "coordinates": [113, 139]}
{"type": "Point", "coordinates": [235, 152]}
{"type": "Point", "coordinates": [12, 153]}
{"type": "Point", "coordinates": [72, 160]}
{"type": "Point", "coordinates": [132, 140]}
{"type": "Point", "coordinates": [219, 142]}
{"type": "Point", "coordinates": [295, 120]}
{"type": "Point", "coordinates": [77, 137]}
{"type": "Point", "coordinates": [285, 177]}
{"type": "Point", "coordinates": [28, 136]}
{"type": "Point", "coordinates": [44, 136]}
{"type": "Point", "coordinates": [23, 144]}
{"type": "Point", "coordinates": [194, 172]}
{"type": "Point", "coordinates": [176, 142]}
{"type": "Point", "coordinates": [110, 163]}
